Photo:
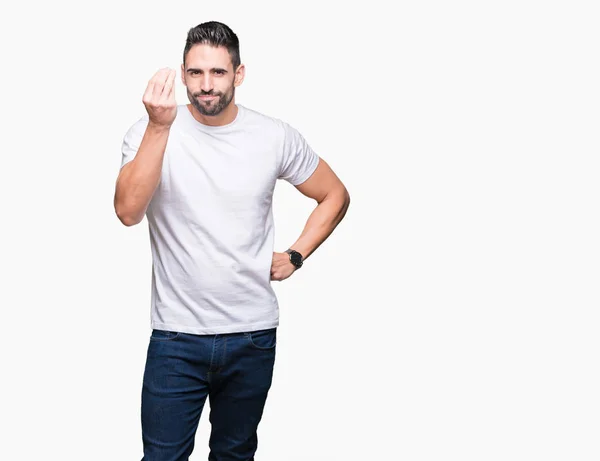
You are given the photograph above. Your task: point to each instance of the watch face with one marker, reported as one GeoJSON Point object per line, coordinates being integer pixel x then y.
{"type": "Point", "coordinates": [296, 258]}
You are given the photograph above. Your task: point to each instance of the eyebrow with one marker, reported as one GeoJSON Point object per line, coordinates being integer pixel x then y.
{"type": "Point", "coordinates": [192, 69]}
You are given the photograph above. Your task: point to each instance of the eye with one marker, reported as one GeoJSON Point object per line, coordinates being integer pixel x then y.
{"type": "Point", "coordinates": [219, 72]}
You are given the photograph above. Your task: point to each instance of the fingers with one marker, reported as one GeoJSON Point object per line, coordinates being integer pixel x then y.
{"type": "Point", "coordinates": [159, 85]}
{"type": "Point", "coordinates": [168, 92]}
{"type": "Point", "coordinates": [159, 98]}
{"type": "Point", "coordinates": [281, 268]}
{"type": "Point", "coordinates": [156, 85]}
{"type": "Point", "coordinates": [148, 94]}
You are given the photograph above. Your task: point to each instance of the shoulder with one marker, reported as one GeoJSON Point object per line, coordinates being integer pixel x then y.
{"type": "Point", "coordinates": [266, 122]}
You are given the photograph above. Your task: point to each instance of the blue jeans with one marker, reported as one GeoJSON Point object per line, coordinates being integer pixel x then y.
{"type": "Point", "coordinates": [234, 370]}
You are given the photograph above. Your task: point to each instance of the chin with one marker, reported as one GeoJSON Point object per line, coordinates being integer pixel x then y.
{"type": "Point", "coordinates": [212, 113]}
{"type": "Point", "coordinates": [208, 111]}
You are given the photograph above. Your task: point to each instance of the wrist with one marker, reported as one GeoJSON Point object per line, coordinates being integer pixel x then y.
{"type": "Point", "coordinates": [157, 128]}
{"type": "Point", "coordinates": [296, 258]}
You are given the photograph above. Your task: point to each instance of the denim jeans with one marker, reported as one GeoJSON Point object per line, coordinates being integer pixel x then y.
{"type": "Point", "coordinates": [234, 370]}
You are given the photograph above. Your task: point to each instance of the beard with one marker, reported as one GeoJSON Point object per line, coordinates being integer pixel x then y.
{"type": "Point", "coordinates": [214, 107]}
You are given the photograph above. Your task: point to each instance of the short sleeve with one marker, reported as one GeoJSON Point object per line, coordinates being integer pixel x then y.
{"type": "Point", "coordinates": [298, 161]}
{"type": "Point", "coordinates": [132, 140]}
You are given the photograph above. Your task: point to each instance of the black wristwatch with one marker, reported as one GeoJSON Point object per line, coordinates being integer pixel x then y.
{"type": "Point", "coordinates": [295, 258]}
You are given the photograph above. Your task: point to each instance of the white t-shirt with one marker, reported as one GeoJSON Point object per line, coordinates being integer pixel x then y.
{"type": "Point", "coordinates": [211, 223]}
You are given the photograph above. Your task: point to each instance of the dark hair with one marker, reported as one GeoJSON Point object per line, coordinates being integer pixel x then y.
{"type": "Point", "coordinates": [216, 34]}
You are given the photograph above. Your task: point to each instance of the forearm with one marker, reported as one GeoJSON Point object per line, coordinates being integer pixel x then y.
{"type": "Point", "coordinates": [322, 222]}
{"type": "Point", "coordinates": [138, 180]}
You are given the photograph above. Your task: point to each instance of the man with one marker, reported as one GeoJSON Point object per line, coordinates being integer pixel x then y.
{"type": "Point", "coordinates": [204, 174]}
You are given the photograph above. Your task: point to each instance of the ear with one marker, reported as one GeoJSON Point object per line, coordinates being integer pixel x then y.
{"type": "Point", "coordinates": [240, 73]}
{"type": "Point", "coordinates": [183, 75]}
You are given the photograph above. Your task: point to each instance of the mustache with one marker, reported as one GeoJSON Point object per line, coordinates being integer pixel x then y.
{"type": "Point", "coordinates": [202, 93]}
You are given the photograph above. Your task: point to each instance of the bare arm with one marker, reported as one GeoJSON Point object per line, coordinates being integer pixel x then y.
{"type": "Point", "coordinates": [333, 201]}
{"type": "Point", "coordinates": [139, 178]}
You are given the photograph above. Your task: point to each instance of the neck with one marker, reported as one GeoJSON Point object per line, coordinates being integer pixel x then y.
{"type": "Point", "coordinates": [224, 118]}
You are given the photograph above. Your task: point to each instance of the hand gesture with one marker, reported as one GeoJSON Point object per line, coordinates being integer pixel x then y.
{"type": "Point", "coordinates": [159, 98]}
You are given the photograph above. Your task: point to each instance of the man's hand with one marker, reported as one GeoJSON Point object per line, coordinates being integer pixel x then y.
{"type": "Point", "coordinates": [281, 266]}
{"type": "Point", "coordinates": [159, 99]}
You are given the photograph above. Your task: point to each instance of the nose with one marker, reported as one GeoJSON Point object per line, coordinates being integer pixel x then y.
{"type": "Point", "coordinates": [206, 84]}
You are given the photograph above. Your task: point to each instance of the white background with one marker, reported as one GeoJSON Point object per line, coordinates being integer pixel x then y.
{"type": "Point", "coordinates": [453, 314]}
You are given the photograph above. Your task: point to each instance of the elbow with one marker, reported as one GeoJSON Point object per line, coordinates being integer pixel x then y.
{"type": "Point", "coordinates": [128, 221]}
{"type": "Point", "coordinates": [338, 194]}
{"type": "Point", "coordinates": [346, 201]}
{"type": "Point", "coordinates": [126, 209]}
{"type": "Point", "coordinates": [343, 197]}
{"type": "Point", "coordinates": [340, 200]}
{"type": "Point", "coordinates": [126, 217]}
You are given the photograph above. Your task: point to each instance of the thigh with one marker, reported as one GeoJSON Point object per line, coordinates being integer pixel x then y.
{"type": "Point", "coordinates": [238, 397]}
{"type": "Point", "coordinates": [173, 395]}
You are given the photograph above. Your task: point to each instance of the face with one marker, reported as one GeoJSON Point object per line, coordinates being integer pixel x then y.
{"type": "Point", "coordinates": [210, 79]}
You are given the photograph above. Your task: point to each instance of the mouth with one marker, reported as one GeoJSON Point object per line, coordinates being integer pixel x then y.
{"type": "Point", "coordinates": [207, 98]}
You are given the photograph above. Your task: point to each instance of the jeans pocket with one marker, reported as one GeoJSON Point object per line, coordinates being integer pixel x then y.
{"type": "Point", "coordinates": [263, 339]}
{"type": "Point", "coordinates": [163, 335]}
